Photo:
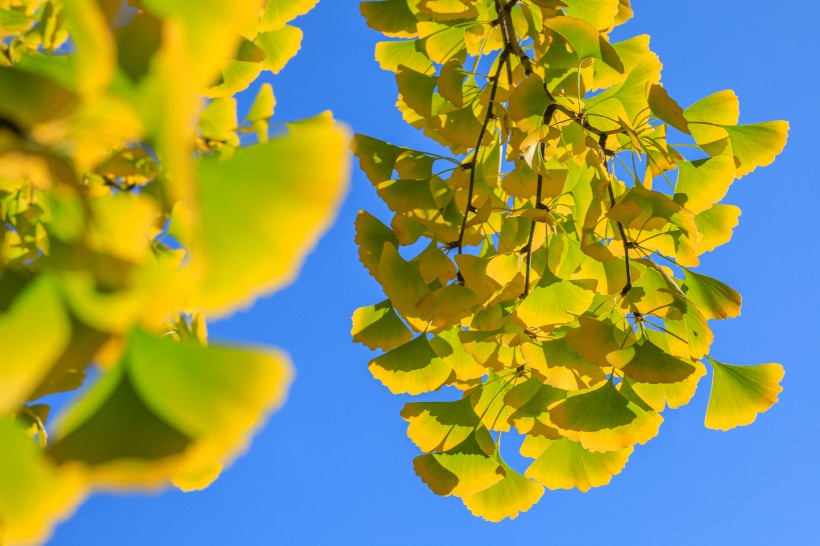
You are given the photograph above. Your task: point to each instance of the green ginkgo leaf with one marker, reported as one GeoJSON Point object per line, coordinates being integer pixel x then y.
{"type": "Point", "coordinates": [564, 464]}
{"type": "Point", "coordinates": [34, 495]}
{"type": "Point", "coordinates": [645, 362]}
{"type": "Point", "coordinates": [26, 363]}
{"type": "Point", "coordinates": [378, 327]}
{"type": "Point", "coordinates": [756, 145]}
{"type": "Point", "coordinates": [413, 368]}
{"type": "Point", "coordinates": [390, 17]}
{"type": "Point", "coordinates": [553, 301]}
{"type": "Point", "coordinates": [713, 298]}
{"type": "Point", "coordinates": [279, 47]}
{"type": "Point", "coordinates": [449, 347]}
{"type": "Point", "coordinates": [371, 237]}
{"type": "Point", "coordinates": [392, 55]}
{"type": "Point", "coordinates": [167, 409]}
{"type": "Point", "coordinates": [666, 109]}
{"type": "Point", "coordinates": [740, 393]}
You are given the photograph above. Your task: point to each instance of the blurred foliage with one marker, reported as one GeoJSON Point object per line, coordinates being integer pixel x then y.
{"type": "Point", "coordinates": [543, 270]}
{"type": "Point", "coordinates": [135, 204]}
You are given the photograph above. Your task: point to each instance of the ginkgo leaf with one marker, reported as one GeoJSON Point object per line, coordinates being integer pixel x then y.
{"type": "Point", "coordinates": [666, 109]}
{"type": "Point", "coordinates": [513, 494]}
{"type": "Point", "coordinates": [740, 393]}
{"type": "Point", "coordinates": [413, 368]}
{"type": "Point", "coordinates": [593, 410]}
{"type": "Point", "coordinates": [392, 55]}
{"type": "Point", "coordinates": [703, 182]}
{"type": "Point", "coordinates": [756, 145]}
{"type": "Point", "coordinates": [26, 362]}
{"type": "Point", "coordinates": [600, 14]}
{"type": "Point", "coordinates": [713, 298]}
{"type": "Point", "coordinates": [279, 46]}
{"type": "Point", "coordinates": [267, 185]}
{"type": "Point", "coordinates": [441, 426]}
{"type": "Point", "coordinates": [715, 225]}
{"type": "Point", "coordinates": [489, 403]}
{"type": "Point", "coordinates": [462, 470]}
{"type": "Point", "coordinates": [450, 349]}
{"type": "Point", "coordinates": [674, 395]}
{"type": "Point", "coordinates": [371, 237]}
{"type": "Point", "coordinates": [168, 409]}
{"type": "Point", "coordinates": [34, 495]}
{"type": "Point", "coordinates": [402, 282]}
{"type": "Point", "coordinates": [561, 365]}
{"type": "Point", "coordinates": [279, 12]}
{"type": "Point", "coordinates": [553, 301]}
{"type": "Point", "coordinates": [645, 362]}
{"type": "Point", "coordinates": [707, 115]}
{"type": "Point", "coordinates": [378, 327]}
{"type": "Point", "coordinates": [390, 17]}
{"type": "Point", "coordinates": [565, 464]}
{"type": "Point", "coordinates": [218, 121]}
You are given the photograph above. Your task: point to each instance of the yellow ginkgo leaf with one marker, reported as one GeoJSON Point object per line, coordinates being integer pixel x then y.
{"type": "Point", "coordinates": [513, 494]}
{"type": "Point", "coordinates": [279, 47]}
{"type": "Point", "coordinates": [461, 470]}
{"type": "Point", "coordinates": [411, 368]}
{"type": "Point", "coordinates": [378, 327]}
{"type": "Point", "coordinates": [440, 426]}
{"type": "Point", "coordinates": [756, 145]}
{"type": "Point", "coordinates": [279, 12]}
{"type": "Point", "coordinates": [553, 301]}
{"type": "Point", "coordinates": [703, 182]}
{"type": "Point", "coordinates": [565, 464]}
{"type": "Point", "coordinates": [268, 185]}
{"type": "Point", "coordinates": [739, 393]}
{"type": "Point", "coordinates": [34, 495]}
{"type": "Point", "coordinates": [714, 299]}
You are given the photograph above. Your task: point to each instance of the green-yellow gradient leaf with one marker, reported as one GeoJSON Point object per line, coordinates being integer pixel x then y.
{"type": "Point", "coordinates": [376, 158]}
{"type": "Point", "coordinates": [666, 109]}
{"type": "Point", "coordinates": [392, 55]}
{"type": "Point", "coordinates": [449, 347]}
{"type": "Point", "coordinates": [218, 121]}
{"type": "Point", "coordinates": [279, 47]}
{"type": "Point", "coordinates": [601, 14]}
{"type": "Point", "coordinates": [462, 470]}
{"type": "Point", "coordinates": [371, 237]}
{"type": "Point", "coordinates": [170, 408]}
{"type": "Point", "coordinates": [245, 201]}
{"type": "Point", "coordinates": [402, 282]}
{"type": "Point", "coordinates": [379, 327]}
{"type": "Point", "coordinates": [565, 464]}
{"type": "Point", "coordinates": [707, 115]}
{"type": "Point", "coordinates": [703, 182]}
{"type": "Point", "coordinates": [96, 57]}
{"type": "Point", "coordinates": [739, 393]}
{"type": "Point", "coordinates": [647, 363]}
{"type": "Point", "coordinates": [441, 426]}
{"type": "Point", "coordinates": [757, 145]}
{"type": "Point", "coordinates": [34, 495]}
{"type": "Point", "coordinates": [593, 410]}
{"type": "Point", "coordinates": [674, 395]}
{"type": "Point", "coordinates": [390, 17]}
{"type": "Point", "coordinates": [34, 332]}
{"type": "Point", "coordinates": [715, 226]}
{"type": "Point", "coordinates": [412, 368]}
{"type": "Point", "coordinates": [279, 12]}
{"type": "Point", "coordinates": [512, 495]}
{"type": "Point", "coordinates": [553, 301]}
{"type": "Point", "coordinates": [714, 299]}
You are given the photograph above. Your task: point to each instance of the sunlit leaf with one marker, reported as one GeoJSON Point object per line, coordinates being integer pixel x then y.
{"type": "Point", "coordinates": [564, 464]}
{"type": "Point", "coordinates": [378, 327]}
{"type": "Point", "coordinates": [740, 393]}
{"type": "Point", "coordinates": [413, 368]}
{"type": "Point", "coordinates": [507, 498]}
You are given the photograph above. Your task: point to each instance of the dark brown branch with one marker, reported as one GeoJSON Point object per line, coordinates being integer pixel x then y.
{"type": "Point", "coordinates": [605, 153]}
{"type": "Point", "coordinates": [496, 78]}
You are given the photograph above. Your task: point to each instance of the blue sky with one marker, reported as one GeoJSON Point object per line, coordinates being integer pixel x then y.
{"type": "Point", "coordinates": [334, 465]}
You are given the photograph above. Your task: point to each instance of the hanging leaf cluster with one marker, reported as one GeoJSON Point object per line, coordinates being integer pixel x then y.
{"type": "Point", "coordinates": [544, 268]}
{"type": "Point", "coordinates": [135, 204]}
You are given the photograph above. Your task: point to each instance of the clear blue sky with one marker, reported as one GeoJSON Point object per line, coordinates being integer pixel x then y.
{"type": "Point", "coordinates": [335, 467]}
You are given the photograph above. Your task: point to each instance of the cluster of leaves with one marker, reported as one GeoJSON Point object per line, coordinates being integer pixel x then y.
{"type": "Point", "coordinates": [130, 213]}
{"type": "Point", "coordinates": [544, 272]}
